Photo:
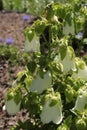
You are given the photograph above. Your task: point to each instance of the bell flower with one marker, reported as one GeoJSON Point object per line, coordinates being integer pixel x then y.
{"type": "Point", "coordinates": [81, 100]}
{"type": "Point", "coordinates": [40, 84]}
{"type": "Point", "coordinates": [82, 73]}
{"type": "Point", "coordinates": [68, 61]}
{"type": "Point", "coordinates": [52, 110]}
{"type": "Point", "coordinates": [68, 29]}
{"type": "Point", "coordinates": [81, 70]}
{"type": "Point", "coordinates": [11, 107]}
{"type": "Point", "coordinates": [33, 45]}
{"type": "Point", "coordinates": [13, 100]}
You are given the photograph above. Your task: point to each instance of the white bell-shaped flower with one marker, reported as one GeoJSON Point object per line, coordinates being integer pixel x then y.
{"type": "Point", "coordinates": [68, 61]}
{"type": "Point", "coordinates": [11, 107]}
{"type": "Point", "coordinates": [33, 45]}
{"type": "Point", "coordinates": [80, 103]}
{"type": "Point", "coordinates": [81, 99]}
{"type": "Point", "coordinates": [40, 84]}
{"type": "Point", "coordinates": [82, 73]}
{"type": "Point", "coordinates": [67, 29]}
{"type": "Point", "coordinates": [51, 113]}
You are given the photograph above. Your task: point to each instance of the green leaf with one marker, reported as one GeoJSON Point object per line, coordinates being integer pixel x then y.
{"type": "Point", "coordinates": [10, 95]}
{"type": "Point", "coordinates": [18, 96]}
{"type": "Point", "coordinates": [31, 66]}
{"type": "Point", "coordinates": [63, 51]}
{"type": "Point", "coordinates": [49, 12]}
{"type": "Point", "coordinates": [54, 101]}
{"type": "Point", "coordinates": [29, 33]}
{"type": "Point", "coordinates": [69, 93]}
{"type": "Point", "coordinates": [40, 26]}
{"type": "Point", "coordinates": [59, 10]}
{"type": "Point", "coordinates": [63, 127]}
{"type": "Point", "coordinates": [81, 124]}
{"type": "Point", "coordinates": [68, 121]}
{"type": "Point", "coordinates": [23, 78]}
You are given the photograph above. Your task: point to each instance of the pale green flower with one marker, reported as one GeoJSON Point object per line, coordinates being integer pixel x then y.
{"type": "Point", "coordinates": [68, 61]}
{"type": "Point", "coordinates": [11, 107]}
{"type": "Point", "coordinates": [82, 73]}
{"type": "Point", "coordinates": [81, 99]}
{"type": "Point", "coordinates": [80, 102]}
{"type": "Point", "coordinates": [40, 84]}
{"type": "Point", "coordinates": [52, 110]}
{"type": "Point", "coordinates": [68, 29]}
{"type": "Point", "coordinates": [33, 45]}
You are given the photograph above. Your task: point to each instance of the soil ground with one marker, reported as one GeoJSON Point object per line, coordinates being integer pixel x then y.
{"type": "Point", "coordinates": [11, 25]}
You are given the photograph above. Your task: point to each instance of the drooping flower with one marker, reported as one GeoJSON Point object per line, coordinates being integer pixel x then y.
{"type": "Point", "coordinates": [33, 45]}
{"type": "Point", "coordinates": [9, 41]}
{"type": "Point", "coordinates": [81, 100]}
{"type": "Point", "coordinates": [11, 107]}
{"type": "Point", "coordinates": [67, 29]}
{"type": "Point", "coordinates": [26, 17]}
{"type": "Point", "coordinates": [13, 100]}
{"type": "Point", "coordinates": [52, 110]}
{"type": "Point", "coordinates": [81, 70]}
{"type": "Point", "coordinates": [82, 73]}
{"type": "Point", "coordinates": [40, 84]}
{"type": "Point", "coordinates": [68, 60]}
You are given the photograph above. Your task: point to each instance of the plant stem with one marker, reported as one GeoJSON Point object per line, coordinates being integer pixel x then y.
{"type": "Point", "coordinates": [49, 43]}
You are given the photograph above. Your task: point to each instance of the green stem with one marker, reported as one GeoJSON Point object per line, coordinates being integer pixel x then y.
{"type": "Point", "coordinates": [49, 44]}
{"type": "Point", "coordinates": [44, 38]}
{"type": "Point", "coordinates": [26, 88]}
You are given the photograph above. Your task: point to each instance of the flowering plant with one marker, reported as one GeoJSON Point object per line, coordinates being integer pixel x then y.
{"type": "Point", "coordinates": [52, 88]}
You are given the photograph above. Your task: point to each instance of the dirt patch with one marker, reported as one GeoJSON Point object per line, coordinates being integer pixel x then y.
{"type": "Point", "coordinates": [12, 25]}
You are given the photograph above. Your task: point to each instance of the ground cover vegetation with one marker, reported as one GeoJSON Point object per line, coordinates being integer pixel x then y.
{"type": "Point", "coordinates": [53, 85]}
